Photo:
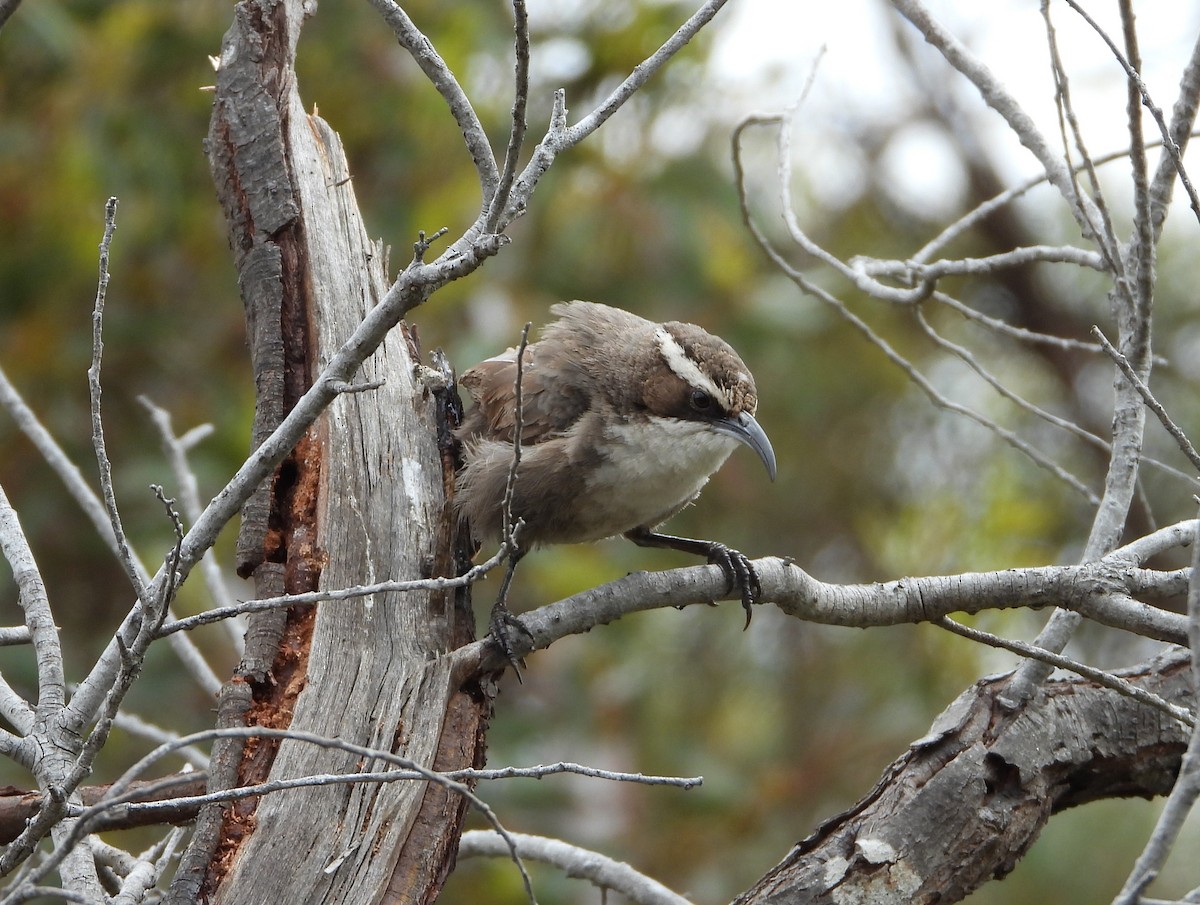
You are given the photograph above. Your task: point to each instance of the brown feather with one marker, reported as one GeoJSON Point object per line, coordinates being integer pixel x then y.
{"type": "Point", "coordinates": [592, 376]}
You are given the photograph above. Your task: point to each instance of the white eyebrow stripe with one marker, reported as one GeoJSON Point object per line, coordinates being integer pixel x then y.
{"type": "Point", "coordinates": [686, 369]}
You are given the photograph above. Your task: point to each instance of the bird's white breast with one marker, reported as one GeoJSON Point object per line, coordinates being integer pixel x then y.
{"type": "Point", "coordinates": [650, 468]}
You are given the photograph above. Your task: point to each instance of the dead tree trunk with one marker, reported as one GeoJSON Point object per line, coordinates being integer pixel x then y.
{"type": "Point", "coordinates": [361, 499]}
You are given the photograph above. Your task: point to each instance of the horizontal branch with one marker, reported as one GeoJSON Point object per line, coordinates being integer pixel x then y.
{"type": "Point", "coordinates": [916, 272]}
{"type": "Point", "coordinates": [1102, 590]}
{"type": "Point", "coordinates": [12, 635]}
{"type": "Point", "coordinates": [574, 861]}
{"type": "Point", "coordinates": [217, 614]}
{"type": "Point", "coordinates": [17, 809]}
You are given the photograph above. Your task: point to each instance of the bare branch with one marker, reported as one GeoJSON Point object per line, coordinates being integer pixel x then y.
{"type": "Point", "coordinates": [1101, 232]}
{"type": "Point", "coordinates": [176, 449]}
{"type": "Point", "coordinates": [516, 139]}
{"type": "Point", "coordinates": [192, 803]}
{"type": "Point", "coordinates": [1181, 534]}
{"type": "Point", "coordinates": [1099, 676]}
{"type": "Point", "coordinates": [54, 456]}
{"type": "Point", "coordinates": [1140, 95]}
{"type": "Point", "coordinates": [509, 528]}
{"type": "Point", "coordinates": [574, 861]}
{"type": "Point", "coordinates": [421, 49]}
{"type": "Point", "coordinates": [20, 715]}
{"type": "Point", "coordinates": [119, 794]}
{"type": "Point", "coordinates": [1183, 116]}
{"type": "Point", "coordinates": [912, 272]}
{"type": "Point", "coordinates": [1187, 787]}
{"type": "Point", "coordinates": [140, 728]}
{"type": "Point", "coordinates": [996, 96]}
{"type": "Point", "coordinates": [125, 553]}
{"type": "Point", "coordinates": [73, 480]}
{"type": "Point", "coordinates": [14, 635]}
{"type": "Point", "coordinates": [146, 872]}
{"type": "Point", "coordinates": [561, 137]}
{"type": "Point", "coordinates": [31, 590]}
{"type": "Point", "coordinates": [1154, 405]}
{"type": "Point", "coordinates": [472, 575]}
{"type": "Point", "coordinates": [1101, 590]}
{"type": "Point", "coordinates": [411, 288]}
{"type": "Point", "coordinates": [923, 383]}
{"type": "Point", "coordinates": [642, 73]}
{"type": "Point", "coordinates": [1141, 244]}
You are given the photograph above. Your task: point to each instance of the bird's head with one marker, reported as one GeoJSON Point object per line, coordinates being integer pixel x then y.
{"type": "Point", "coordinates": [698, 377]}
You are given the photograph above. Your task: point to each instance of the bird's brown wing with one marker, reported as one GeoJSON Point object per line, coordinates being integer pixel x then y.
{"type": "Point", "coordinates": [551, 400]}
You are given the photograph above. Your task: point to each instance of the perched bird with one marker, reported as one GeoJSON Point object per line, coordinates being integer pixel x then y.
{"type": "Point", "coordinates": [623, 421]}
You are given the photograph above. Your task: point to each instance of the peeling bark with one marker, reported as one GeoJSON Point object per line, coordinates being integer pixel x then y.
{"type": "Point", "coordinates": [966, 802]}
{"type": "Point", "coordinates": [361, 498]}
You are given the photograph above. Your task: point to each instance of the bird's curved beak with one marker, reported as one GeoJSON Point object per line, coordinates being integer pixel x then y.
{"type": "Point", "coordinates": [746, 430]}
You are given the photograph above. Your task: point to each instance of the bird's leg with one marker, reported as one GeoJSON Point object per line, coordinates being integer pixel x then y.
{"type": "Point", "coordinates": [502, 623]}
{"type": "Point", "coordinates": [739, 571]}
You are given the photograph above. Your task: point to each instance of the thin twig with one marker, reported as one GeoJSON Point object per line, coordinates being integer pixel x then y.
{"type": "Point", "coordinates": [1019, 333]}
{"type": "Point", "coordinates": [134, 656]}
{"type": "Point", "coordinates": [421, 49]}
{"type": "Point", "coordinates": [21, 715]}
{"type": "Point", "coordinates": [148, 869]}
{"type": "Point", "coordinates": [996, 96]}
{"type": "Point", "coordinates": [1101, 233]}
{"type": "Point", "coordinates": [920, 380]}
{"type": "Point", "coordinates": [239, 793]}
{"type": "Point", "coordinates": [915, 272]}
{"type": "Point", "coordinates": [140, 728]}
{"type": "Point", "coordinates": [412, 287]}
{"type": "Point", "coordinates": [93, 508]}
{"type": "Point", "coordinates": [176, 449]}
{"type": "Point", "coordinates": [516, 136]}
{"type": "Point", "coordinates": [124, 552]}
{"type": "Point", "coordinates": [509, 528]}
{"type": "Point", "coordinates": [1181, 534]}
{"type": "Point", "coordinates": [14, 635]}
{"type": "Point", "coordinates": [1141, 243]}
{"type": "Point", "coordinates": [149, 617]}
{"type": "Point", "coordinates": [118, 794]}
{"type": "Point", "coordinates": [969, 359]}
{"type": "Point", "coordinates": [1138, 86]}
{"type": "Point", "coordinates": [472, 575]}
{"type": "Point", "coordinates": [856, 272]}
{"type": "Point", "coordinates": [986, 208]}
{"type": "Point", "coordinates": [1099, 676]}
{"type": "Point", "coordinates": [1183, 116]}
{"type": "Point", "coordinates": [560, 137]}
{"type": "Point", "coordinates": [1153, 404]}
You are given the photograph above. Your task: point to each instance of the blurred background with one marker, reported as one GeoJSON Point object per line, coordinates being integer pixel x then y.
{"type": "Point", "coordinates": [788, 723]}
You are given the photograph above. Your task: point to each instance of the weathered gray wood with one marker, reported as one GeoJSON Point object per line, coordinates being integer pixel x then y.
{"type": "Point", "coordinates": [366, 504]}
{"type": "Point", "coordinates": [964, 804]}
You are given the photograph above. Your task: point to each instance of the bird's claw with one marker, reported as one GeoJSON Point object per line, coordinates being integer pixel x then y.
{"type": "Point", "coordinates": [503, 626]}
{"type": "Point", "coordinates": [740, 573]}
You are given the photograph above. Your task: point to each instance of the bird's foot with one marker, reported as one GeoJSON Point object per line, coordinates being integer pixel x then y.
{"type": "Point", "coordinates": [505, 631]}
{"type": "Point", "coordinates": [740, 573]}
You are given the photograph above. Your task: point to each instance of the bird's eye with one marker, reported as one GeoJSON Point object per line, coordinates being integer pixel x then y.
{"type": "Point", "coordinates": [701, 401]}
